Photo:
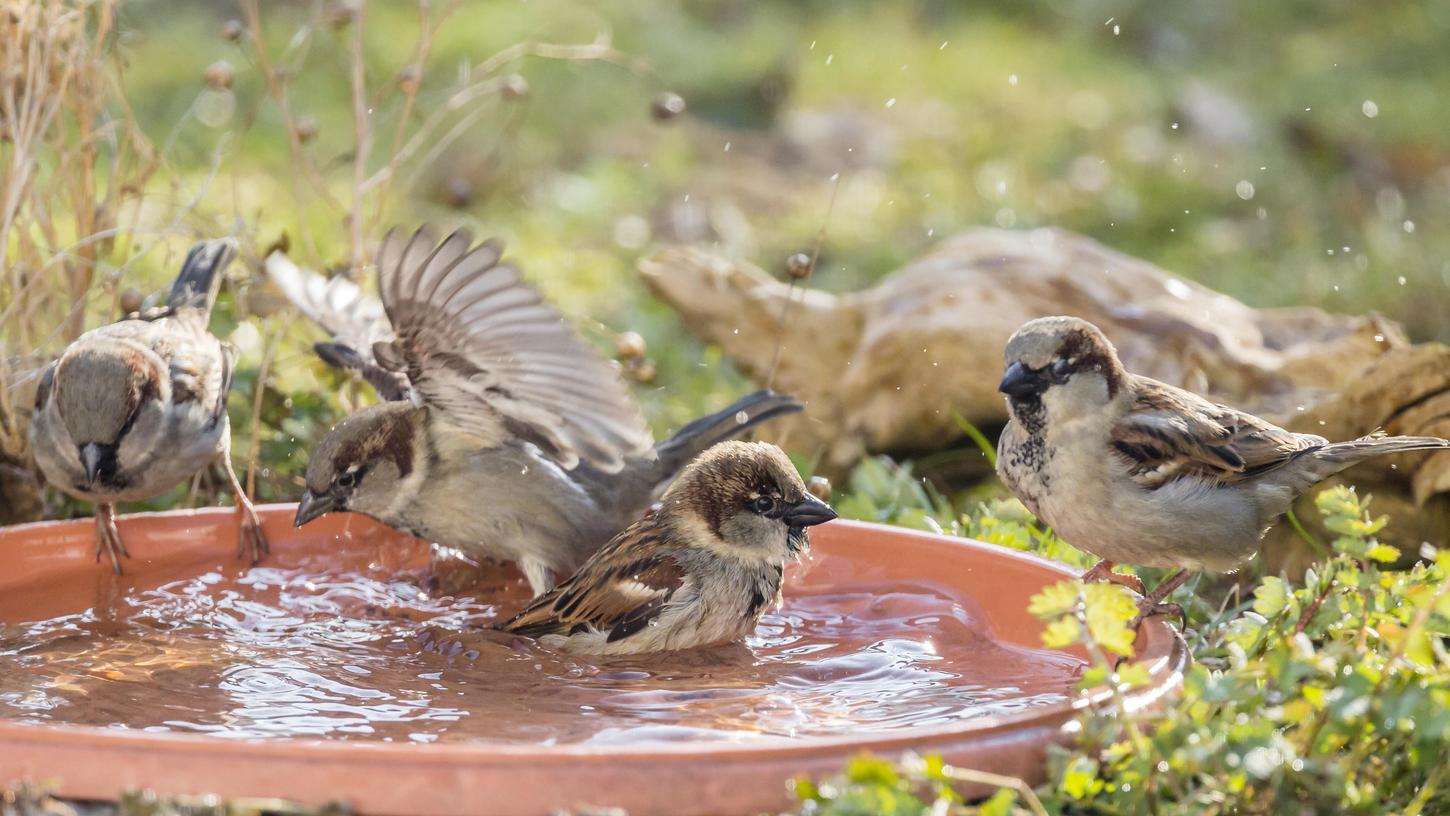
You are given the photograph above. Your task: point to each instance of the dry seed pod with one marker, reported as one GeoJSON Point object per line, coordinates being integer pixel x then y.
{"type": "Point", "coordinates": [232, 30]}
{"type": "Point", "coordinates": [219, 75]}
{"type": "Point", "coordinates": [629, 345]}
{"type": "Point", "coordinates": [131, 300]}
{"type": "Point", "coordinates": [306, 129]}
{"type": "Point", "coordinates": [820, 487]}
{"type": "Point", "coordinates": [667, 106]}
{"type": "Point", "coordinates": [643, 372]}
{"type": "Point", "coordinates": [409, 79]}
{"type": "Point", "coordinates": [515, 87]}
{"type": "Point", "coordinates": [798, 265]}
{"type": "Point", "coordinates": [340, 15]}
{"type": "Point", "coordinates": [458, 193]}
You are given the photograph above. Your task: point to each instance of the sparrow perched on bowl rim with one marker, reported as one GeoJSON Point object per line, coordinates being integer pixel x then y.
{"type": "Point", "coordinates": [509, 437]}
{"type": "Point", "coordinates": [132, 408]}
{"type": "Point", "coordinates": [1140, 472]}
{"type": "Point", "coordinates": [700, 571]}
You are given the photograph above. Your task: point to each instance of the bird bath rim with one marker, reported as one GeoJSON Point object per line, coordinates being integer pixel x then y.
{"type": "Point", "coordinates": [102, 762]}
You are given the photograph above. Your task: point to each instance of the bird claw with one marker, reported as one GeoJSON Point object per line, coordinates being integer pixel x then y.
{"type": "Point", "coordinates": [1148, 607]}
{"type": "Point", "coordinates": [251, 540]}
{"type": "Point", "coordinates": [108, 539]}
{"type": "Point", "coordinates": [1103, 571]}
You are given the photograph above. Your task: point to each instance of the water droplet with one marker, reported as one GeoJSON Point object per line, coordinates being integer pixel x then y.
{"type": "Point", "coordinates": [1370, 109]}
{"type": "Point", "coordinates": [1244, 189]}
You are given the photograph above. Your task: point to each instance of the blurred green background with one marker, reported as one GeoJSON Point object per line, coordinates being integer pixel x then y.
{"type": "Point", "coordinates": [1284, 153]}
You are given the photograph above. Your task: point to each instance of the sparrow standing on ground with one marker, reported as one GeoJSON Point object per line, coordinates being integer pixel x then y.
{"type": "Point", "coordinates": [1138, 471]}
{"type": "Point", "coordinates": [132, 408]}
{"type": "Point", "coordinates": [699, 572]}
{"type": "Point", "coordinates": [511, 439]}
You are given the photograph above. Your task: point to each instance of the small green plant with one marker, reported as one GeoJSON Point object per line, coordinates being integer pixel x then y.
{"type": "Point", "coordinates": [1326, 695]}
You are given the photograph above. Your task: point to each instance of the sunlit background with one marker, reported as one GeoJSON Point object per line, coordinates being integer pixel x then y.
{"type": "Point", "coordinates": [1284, 153]}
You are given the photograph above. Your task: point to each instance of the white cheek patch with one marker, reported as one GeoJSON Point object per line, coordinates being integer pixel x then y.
{"type": "Point", "coordinates": [410, 486]}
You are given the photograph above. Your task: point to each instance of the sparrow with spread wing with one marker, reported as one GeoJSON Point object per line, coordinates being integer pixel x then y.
{"type": "Point", "coordinates": [1137, 471]}
{"type": "Point", "coordinates": [512, 439]}
{"type": "Point", "coordinates": [701, 571]}
{"type": "Point", "coordinates": [133, 408]}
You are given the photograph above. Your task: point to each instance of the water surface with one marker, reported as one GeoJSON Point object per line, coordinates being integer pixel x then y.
{"type": "Point", "coordinates": [306, 648]}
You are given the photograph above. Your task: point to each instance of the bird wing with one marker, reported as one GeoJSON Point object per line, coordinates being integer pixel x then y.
{"type": "Point", "coordinates": [481, 347]}
{"type": "Point", "coordinates": [355, 319]}
{"type": "Point", "coordinates": [618, 591]}
{"type": "Point", "coordinates": [1169, 434]}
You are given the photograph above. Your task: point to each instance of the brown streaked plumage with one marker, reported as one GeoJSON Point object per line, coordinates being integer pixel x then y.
{"type": "Point", "coordinates": [701, 571]}
{"type": "Point", "coordinates": [513, 440]}
{"type": "Point", "coordinates": [1137, 471]}
{"type": "Point", "coordinates": [132, 408]}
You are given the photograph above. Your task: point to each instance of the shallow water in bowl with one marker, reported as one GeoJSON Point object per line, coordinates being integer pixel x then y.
{"type": "Point", "coordinates": [310, 649]}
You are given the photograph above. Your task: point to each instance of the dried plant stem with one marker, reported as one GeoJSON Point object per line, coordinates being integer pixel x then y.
{"type": "Point", "coordinates": [259, 390]}
{"type": "Point", "coordinates": [362, 137]}
{"type": "Point", "coordinates": [277, 89]}
{"type": "Point", "coordinates": [804, 283]}
{"type": "Point", "coordinates": [421, 50]}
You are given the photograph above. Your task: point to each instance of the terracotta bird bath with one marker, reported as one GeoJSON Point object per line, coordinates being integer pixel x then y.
{"type": "Point", "coordinates": [348, 667]}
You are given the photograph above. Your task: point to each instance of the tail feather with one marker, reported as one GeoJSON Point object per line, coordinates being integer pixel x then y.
{"type": "Point", "coordinates": [1378, 444]}
{"type": "Point", "coordinates": [707, 431]}
{"type": "Point", "coordinates": [196, 287]}
{"type": "Point", "coordinates": [1332, 458]}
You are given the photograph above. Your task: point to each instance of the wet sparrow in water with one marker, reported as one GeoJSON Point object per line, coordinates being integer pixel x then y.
{"type": "Point", "coordinates": [513, 439]}
{"type": "Point", "coordinates": [700, 571]}
{"type": "Point", "coordinates": [133, 408]}
{"type": "Point", "coordinates": [1137, 471]}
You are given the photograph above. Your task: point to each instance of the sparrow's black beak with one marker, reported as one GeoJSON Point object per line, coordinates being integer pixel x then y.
{"type": "Point", "coordinates": [312, 506]}
{"type": "Point", "coordinates": [97, 459]}
{"type": "Point", "coordinates": [1020, 382]}
{"type": "Point", "coordinates": [808, 512]}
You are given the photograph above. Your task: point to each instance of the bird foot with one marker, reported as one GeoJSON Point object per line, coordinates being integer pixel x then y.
{"type": "Point", "coordinates": [1103, 571]}
{"type": "Point", "coordinates": [108, 538]}
{"type": "Point", "coordinates": [251, 541]}
{"type": "Point", "coordinates": [1148, 607]}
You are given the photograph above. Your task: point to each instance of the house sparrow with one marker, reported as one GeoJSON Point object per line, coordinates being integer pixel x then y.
{"type": "Point", "coordinates": [1134, 470]}
{"type": "Point", "coordinates": [701, 571]}
{"type": "Point", "coordinates": [514, 440]}
{"type": "Point", "coordinates": [133, 408]}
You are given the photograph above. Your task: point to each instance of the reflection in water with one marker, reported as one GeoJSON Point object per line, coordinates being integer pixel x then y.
{"type": "Point", "coordinates": [311, 650]}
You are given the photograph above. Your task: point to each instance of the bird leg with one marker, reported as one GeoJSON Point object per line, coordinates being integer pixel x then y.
{"type": "Point", "coordinates": [1103, 571]}
{"type": "Point", "coordinates": [1153, 603]}
{"type": "Point", "coordinates": [108, 537]}
{"type": "Point", "coordinates": [250, 541]}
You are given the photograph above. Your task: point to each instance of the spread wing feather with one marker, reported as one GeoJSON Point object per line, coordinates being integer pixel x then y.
{"type": "Point", "coordinates": [354, 318]}
{"type": "Point", "coordinates": [481, 347]}
{"type": "Point", "coordinates": [1170, 434]}
{"type": "Point", "coordinates": [619, 591]}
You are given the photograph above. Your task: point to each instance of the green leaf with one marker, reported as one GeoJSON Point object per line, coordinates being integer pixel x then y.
{"type": "Point", "coordinates": [1062, 633]}
{"type": "Point", "coordinates": [999, 803]}
{"type": "Point", "coordinates": [1080, 779]}
{"type": "Point", "coordinates": [1058, 599]}
{"type": "Point", "coordinates": [1271, 596]}
{"type": "Point", "coordinates": [1383, 553]}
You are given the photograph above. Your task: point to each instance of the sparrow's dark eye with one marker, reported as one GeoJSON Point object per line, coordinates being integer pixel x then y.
{"type": "Point", "coordinates": [1061, 370]}
{"type": "Point", "coordinates": [347, 478]}
{"type": "Point", "coordinates": [763, 505]}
